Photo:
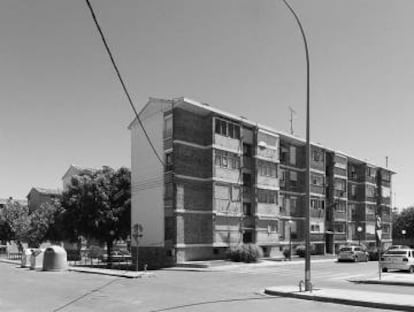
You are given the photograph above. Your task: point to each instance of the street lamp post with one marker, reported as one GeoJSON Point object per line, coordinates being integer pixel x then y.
{"type": "Point", "coordinates": [359, 229]}
{"type": "Point", "coordinates": [308, 284]}
{"type": "Point", "coordinates": [403, 232]}
{"type": "Point", "coordinates": [290, 239]}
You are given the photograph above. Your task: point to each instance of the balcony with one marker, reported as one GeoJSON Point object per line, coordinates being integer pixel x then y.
{"type": "Point", "coordinates": [317, 213]}
{"type": "Point", "coordinates": [227, 207]}
{"type": "Point", "coordinates": [317, 189]}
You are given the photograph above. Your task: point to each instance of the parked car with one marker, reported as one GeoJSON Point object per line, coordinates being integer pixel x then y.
{"type": "Point", "coordinates": [117, 256]}
{"type": "Point", "coordinates": [398, 247]}
{"type": "Point", "coordinates": [352, 253]}
{"type": "Point", "coordinates": [398, 259]}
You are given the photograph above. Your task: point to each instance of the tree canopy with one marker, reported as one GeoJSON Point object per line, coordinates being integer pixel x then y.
{"type": "Point", "coordinates": [97, 205]}
{"type": "Point", "coordinates": [14, 221]}
{"type": "Point", "coordinates": [403, 221]}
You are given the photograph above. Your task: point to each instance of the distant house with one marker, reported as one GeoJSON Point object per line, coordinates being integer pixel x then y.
{"type": "Point", "coordinates": [5, 201]}
{"type": "Point", "coordinates": [72, 171]}
{"type": "Point", "coordinates": [37, 196]}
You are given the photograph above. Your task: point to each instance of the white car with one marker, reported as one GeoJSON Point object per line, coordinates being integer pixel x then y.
{"type": "Point", "coordinates": [398, 259]}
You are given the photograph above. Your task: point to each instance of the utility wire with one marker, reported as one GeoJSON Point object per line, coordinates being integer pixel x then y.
{"type": "Point", "coordinates": [118, 73]}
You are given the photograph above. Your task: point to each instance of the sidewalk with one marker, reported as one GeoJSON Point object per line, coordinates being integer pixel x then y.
{"type": "Point", "coordinates": [347, 297]}
{"type": "Point", "coordinates": [394, 278]}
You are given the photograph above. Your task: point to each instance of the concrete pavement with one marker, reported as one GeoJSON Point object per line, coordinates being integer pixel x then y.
{"type": "Point", "coordinates": [348, 297]}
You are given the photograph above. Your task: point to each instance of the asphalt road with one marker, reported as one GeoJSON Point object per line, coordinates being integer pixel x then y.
{"type": "Point", "coordinates": [237, 289]}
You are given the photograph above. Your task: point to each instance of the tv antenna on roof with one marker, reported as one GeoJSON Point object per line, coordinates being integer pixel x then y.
{"type": "Point", "coordinates": [292, 111]}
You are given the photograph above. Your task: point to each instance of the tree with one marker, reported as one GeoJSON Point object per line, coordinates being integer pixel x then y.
{"type": "Point", "coordinates": [97, 205]}
{"type": "Point", "coordinates": [41, 224]}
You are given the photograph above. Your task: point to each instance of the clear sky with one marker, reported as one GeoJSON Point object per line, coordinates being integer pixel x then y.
{"type": "Point", "coordinates": [60, 102]}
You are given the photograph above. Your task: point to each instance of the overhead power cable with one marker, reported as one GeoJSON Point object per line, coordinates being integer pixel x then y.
{"type": "Point", "coordinates": [118, 73]}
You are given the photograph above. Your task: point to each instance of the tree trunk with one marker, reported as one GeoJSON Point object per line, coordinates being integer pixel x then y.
{"type": "Point", "coordinates": [109, 245]}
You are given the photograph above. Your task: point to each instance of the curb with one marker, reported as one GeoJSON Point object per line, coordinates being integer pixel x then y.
{"type": "Point", "coordinates": [376, 282]}
{"type": "Point", "coordinates": [205, 267]}
{"type": "Point", "coordinates": [126, 274]}
{"type": "Point", "coordinates": [339, 300]}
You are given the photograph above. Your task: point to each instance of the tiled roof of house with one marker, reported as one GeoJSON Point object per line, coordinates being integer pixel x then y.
{"type": "Point", "coordinates": [46, 191]}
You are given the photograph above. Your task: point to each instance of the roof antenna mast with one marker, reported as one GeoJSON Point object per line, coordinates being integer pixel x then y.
{"type": "Point", "coordinates": [292, 111]}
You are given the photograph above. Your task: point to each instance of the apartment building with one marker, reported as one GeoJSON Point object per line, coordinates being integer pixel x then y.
{"type": "Point", "coordinates": [225, 180]}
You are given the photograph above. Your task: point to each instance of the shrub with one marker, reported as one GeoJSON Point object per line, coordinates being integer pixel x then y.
{"type": "Point", "coordinates": [286, 253]}
{"type": "Point", "coordinates": [245, 253]}
{"type": "Point", "coordinates": [95, 252]}
{"type": "Point", "coordinates": [73, 255]}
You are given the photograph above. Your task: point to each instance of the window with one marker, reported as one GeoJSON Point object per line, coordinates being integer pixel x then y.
{"type": "Point", "coordinates": [293, 177]}
{"type": "Point", "coordinates": [282, 174]}
{"type": "Point", "coordinates": [222, 192]}
{"type": "Point", "coordinates": [226, 160]}
{"type": "Point", "coordinates": [267, 169]}
{"type": "Point", "coordinates": [371, 172]}
{"type": "Point", "coordinates": [267, 196]}
{"type": "Point", "coordinates": [352, 171]}
{"type": "Point", "coordinates": [282, 203]}
{"type": "Point", "coordinates": [317, 180]}
{"type": "Point", "coordinates": [370, 191]}
{"type": "Point", "coordinates": [315, 228]}
{"type": "Point", "coordinates": [168, 124]}
{"type": "Point", "coordinates": [293, 204]}
{"type": "Point", "coordinates": [272, 228]}
{"type": "Point", "coordinates": [340, 206]}
{"type": "Point", "coordinates": [339, 227]}
{"type": "Point", "coordinates": [227, 128]}
{"type": "Point", "coordinates": [247, 150]}
{"type": "Point", "coordinates": [168, 161]}
{"type": "Point", "coordinates": [284, 152]}
{"type": "Point", "coordinates": [371, 210]}
{"type": "Point", "coordinates": [248, 236]}
{"type": "Point", "coordinates": [231, 130]}
{"type": "Point", "coordinates": [316, 155]}
{"type": "Point", "coordinates": [282, 177]}
{"type": "Point", "coordinates": [235, 193]}
{"type": "Point", "coordinates": [386, 192]}
{"type": "Point", "coordinates": [247, 209]}
{"type": "Point", "coordinates": [247, 179]}
{"type": "Point", "coordinates": [317, 204]}
{"type": "Point", "coordinates": [370, 228]}
{"type": "Point", "coordinates": [292, 155]}
{"type": "Point", "coordinates": [353, 190]}
{"type": "Point", "coordinates": [168, 191]}
{"type": "Point", "coordinates": [386, 176]}
{"type": "Point", "coordinates": [270, 140]}
{"type": "Point", "coordinates": [340, 185]}
{"type": "Point", "coordinates": [340, 162]}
